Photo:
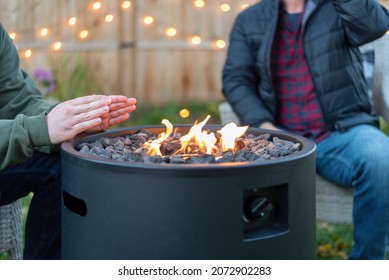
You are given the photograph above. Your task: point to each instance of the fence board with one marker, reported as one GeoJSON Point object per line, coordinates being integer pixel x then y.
{"type": "Point", "coordinates": [127, 56]}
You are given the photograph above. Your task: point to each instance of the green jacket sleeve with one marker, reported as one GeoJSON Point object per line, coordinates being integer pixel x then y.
{"type": "Point", "coordinates": [23, 126]}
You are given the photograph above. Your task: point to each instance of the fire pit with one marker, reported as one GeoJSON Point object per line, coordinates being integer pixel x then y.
{"type": "Point", "coordinates": [262, 209]}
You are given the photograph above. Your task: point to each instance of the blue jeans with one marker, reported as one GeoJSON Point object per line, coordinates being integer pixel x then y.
{"type": "Point", "coordinates": [359, 158]}
{"type": "Point", "coordinates": [41, 175]}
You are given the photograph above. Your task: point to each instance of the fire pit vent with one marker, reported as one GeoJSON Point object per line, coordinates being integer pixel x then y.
{"type": "Point", "coordinates": [265, 212]}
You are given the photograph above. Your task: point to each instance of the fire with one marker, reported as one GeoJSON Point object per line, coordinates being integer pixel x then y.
{"type": "Point", "coordinates": [229, 134]}
{"type": "Point", "coordinates": [156, 144]}
{"type": "Point", "coordinates": [205, 142]}
{"type": "Point", "coordinates": [197, 140]}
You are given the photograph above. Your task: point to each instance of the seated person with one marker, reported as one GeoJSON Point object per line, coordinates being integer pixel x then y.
{"type": "Point", "coordinates": [31, 130]}
{"type": "Point", "coordinates": [296, 65]}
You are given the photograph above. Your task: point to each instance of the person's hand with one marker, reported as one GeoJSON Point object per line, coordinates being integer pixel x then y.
{"type": "Point", "coordinates": [74, 116]}
{"type": "Point", "coordinates": [119, 110]}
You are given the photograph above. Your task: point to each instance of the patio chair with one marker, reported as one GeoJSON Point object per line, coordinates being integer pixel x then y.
{"type": "Point", "coordinates": [11, 230]}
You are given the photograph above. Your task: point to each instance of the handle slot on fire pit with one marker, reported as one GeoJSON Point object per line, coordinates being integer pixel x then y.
{"type": "Point", "coordinates": [74, 204]}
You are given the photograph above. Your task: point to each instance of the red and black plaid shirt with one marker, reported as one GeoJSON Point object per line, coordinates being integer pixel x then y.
{"type": "Point", "coordinates": [298, 107]}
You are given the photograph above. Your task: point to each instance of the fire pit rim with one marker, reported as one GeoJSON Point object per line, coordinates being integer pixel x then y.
{"type": "Point", "coordinates": [307, 147]}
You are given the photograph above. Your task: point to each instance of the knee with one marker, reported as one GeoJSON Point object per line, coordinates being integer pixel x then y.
{"type": "Point", "coordinates": [375, 156]}
{"type": "Point", "coordinates": [372, 169]}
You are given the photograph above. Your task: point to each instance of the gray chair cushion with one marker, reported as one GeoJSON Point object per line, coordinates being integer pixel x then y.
{"type": "Point", "coordinates": [380, 83]}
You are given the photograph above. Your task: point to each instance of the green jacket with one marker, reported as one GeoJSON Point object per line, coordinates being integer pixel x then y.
{"type": "Point", "coordinates": [23, 126]}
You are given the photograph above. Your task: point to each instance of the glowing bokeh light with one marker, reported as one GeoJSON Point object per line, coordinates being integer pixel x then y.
{"type": "Point", "coordinates": [225, 7]}
{"type": "Point", "coordinates": [199, 3]}
{"type": "Point", "coordinates": [72, 21]}
{"type": "Point", "coordinates": [171, 32]}
{"type": "Point", "coordinates": [148, 20]}
{"type": "Point", "coordinates": [221, 44]}
{"type": "Point", "coordinates": [184, 113]}
{"type": "Point", "coordinates": [96, 5]}
{"type": "Point", "coordinates": [44, 31]}
{"type": "Point", "coordinates": [109, 18]}
{"type": "Point", "coordinates": [57, 46]}
{"type": "Point", "coordinates": [126, 4]}
{"type": "Point", "coordinates": [196, 40]}
{"type": "Point", "coordinates": [83, 34]}
{"type": "Point", "coordinates": [28, 53]}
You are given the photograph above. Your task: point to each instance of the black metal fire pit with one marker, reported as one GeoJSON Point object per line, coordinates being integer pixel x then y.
{"type": "Point", "coordinates": [250, 210]}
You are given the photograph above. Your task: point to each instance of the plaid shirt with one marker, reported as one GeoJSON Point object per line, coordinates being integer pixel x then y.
{"type": "Point", "coordinates": [298, 106]}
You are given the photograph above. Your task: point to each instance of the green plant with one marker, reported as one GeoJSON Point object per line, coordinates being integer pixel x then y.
{"type": "Point", "coordinates": [73, 77]}
{"type": "Point", "coordinates": [153, 115]}
{"type": "Point", "coordinates": [384, 126]}
{"type": "Point", "coordinates": [334, 241]}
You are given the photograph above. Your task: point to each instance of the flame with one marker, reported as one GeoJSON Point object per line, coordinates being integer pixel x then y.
{"type": "Point", "coordinates": [198, 141]}
{"type": "Point", "coordinates": [229, 134]}
{"type": "Point", "coordinates": [205, 142]}
{"type": "Point", "coordinates": [153, 146]}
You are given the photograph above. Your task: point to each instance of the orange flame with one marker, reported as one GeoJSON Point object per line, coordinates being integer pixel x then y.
{"type": "Point", "coordinates": [229, 134]}
{"type": "Point", "coordinates": [206, 142]}
{"type": "Point", "coordinates": [153, 146]}
{"type": "Point", "coordinates": [203, 141]}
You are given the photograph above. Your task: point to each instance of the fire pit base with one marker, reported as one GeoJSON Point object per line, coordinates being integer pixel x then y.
{"type": "Point", "coordinates": [258, 210]}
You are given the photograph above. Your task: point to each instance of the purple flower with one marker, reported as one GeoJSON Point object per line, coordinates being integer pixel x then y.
{"type": "Point", "coordinates": [45, 79]}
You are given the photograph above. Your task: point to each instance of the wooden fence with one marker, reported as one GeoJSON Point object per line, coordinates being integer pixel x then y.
{"type": "Point", "coordinates": [156, 62]}
{"type": "Point", "coordinates": [155, 50]}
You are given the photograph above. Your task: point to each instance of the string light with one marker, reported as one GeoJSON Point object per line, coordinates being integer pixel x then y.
{"type": "Point", "coordinates": [225, 7]}
{"type": "Point", "coordinates": [109, 18]}
{"type": "Point", "coordinates": [199, 3]}
{"type": "Point", "coordinates": [126, 4]}
{"type": "Point", "coordinates": [221, 44]}
{"type": "Point", "coordinates": [196, 40]}
{"type": "Point", "coordinates": [83, 34]}
{"type": "Point", "coordinates": [171, 32]}
{"type": "Point", "coordinates": [57, 46]}
{"type": "Point", "coordinates": [28, 53]}
{"type": "Point", "coordinates": [72, 21]}
{"type": "Point", "coordinates": [148, 20]}
{"type": "Point", "coordinates": [44, 32]}
{"type": "Point", "coordinates": [96, 5]}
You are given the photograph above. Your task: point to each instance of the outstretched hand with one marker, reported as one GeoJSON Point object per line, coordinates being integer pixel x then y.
{"type": "Point", "coordinates": [119, 110]}
{"type": "Point", "coordinates": [90, 113]}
